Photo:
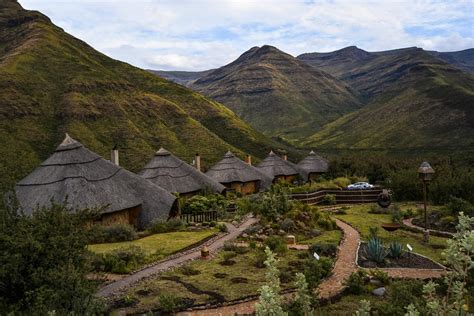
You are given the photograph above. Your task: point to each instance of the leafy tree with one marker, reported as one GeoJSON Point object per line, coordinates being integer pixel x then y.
{"type": "Point", "coordinates": [44, 261]}
{"type": "Point", "coordinates": [270, 301]}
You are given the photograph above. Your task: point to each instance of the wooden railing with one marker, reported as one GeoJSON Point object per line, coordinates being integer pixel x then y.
{"type": "Point", "coordinates": [199, 217]}
{"type": "Point", "coordinates": [342, 196]}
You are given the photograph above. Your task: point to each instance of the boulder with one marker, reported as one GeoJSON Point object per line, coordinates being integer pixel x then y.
{"type": "Point", "coordinates": [379, 291]}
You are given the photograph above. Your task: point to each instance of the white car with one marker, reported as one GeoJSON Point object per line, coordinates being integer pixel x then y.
{"type": "Point", "coordinates": [360, 186]}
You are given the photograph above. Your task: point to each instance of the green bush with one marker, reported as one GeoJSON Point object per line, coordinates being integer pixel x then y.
{"type": "Point", "coordinates": [323, 249]}
{"type": "Point", "coordinates": [356, 283]}
{"type": "Point", "coordinates": [458, 205]}
{"type": "Point", "coordinates": [168, 303]}
{"type": "Point", "coordinates": [160, 226]}
{"type": "Point", "coordinates": [223, 228]}
{"type": "Point", "coordinates": [201, 203]}
{"type": "Point", "coordinates": [273, 203]}
{"type": "Point", "coordinates": [380, 275]}
{"type": "Point", "coordinates": [288, 225]}
{"type": "Point", "coordinates": [316, 270]}
{"type": "Point", "coordinates": [276, 244]}
{"type": "Point", "coordinates": [329, 199]}
{"type": "Point", "coordinates": [122, 261]}
{"type": "Point", "coordinates": [342, 182]}
{"type": "Point", "coordinates": [401, 294]}
{"type": "Point", "coordinates": [112, 233]}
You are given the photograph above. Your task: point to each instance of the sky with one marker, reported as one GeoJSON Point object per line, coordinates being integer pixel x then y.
{"type": "Point", "coordinates": [204, 34]}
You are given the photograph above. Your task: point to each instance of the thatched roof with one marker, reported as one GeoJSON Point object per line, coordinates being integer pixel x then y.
{"type": "Point", "coordinates": [274, 166]}
{"type": "Point", "coordinates": [231, 169]}
{"type": "Point", "coordinates": [313, 163]}
{"type": "Point", "coordinates": [87, 180]}
{"type": "Point", "coordinates": [174, 175]}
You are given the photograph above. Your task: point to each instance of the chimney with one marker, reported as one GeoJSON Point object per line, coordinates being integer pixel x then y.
{"type": "Point", "coordinates": [114, 155]}
{"type": "Point", "coordinates": [285, 156]}
{"type": "Point", "coordinates": [249, 159]}
{"type": "Point", "coordinates": [198, 162]}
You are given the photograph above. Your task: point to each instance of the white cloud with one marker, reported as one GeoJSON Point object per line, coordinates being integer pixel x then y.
{"type": "Point", "coordinates": [203, 34]}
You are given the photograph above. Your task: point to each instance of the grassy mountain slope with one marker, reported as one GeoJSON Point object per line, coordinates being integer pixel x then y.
{"type": "Point", "coordinates": [185, 78]}
{"type": "Point", "coordinates": [413, 100]}
{"type": "Point", "coordinates": [51, 82]}
{"type": "Point", "coordinates": [278, 94]}
{"type": "Point", "coordinates": [463, 60]}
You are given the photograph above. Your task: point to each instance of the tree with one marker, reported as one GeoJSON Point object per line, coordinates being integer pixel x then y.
{"type": "Point", "coordinates": [44, 261]}
{"type": "Point", "coordinates": [302, 297]}
{"type": "Point", "coordinates": [270, 303]}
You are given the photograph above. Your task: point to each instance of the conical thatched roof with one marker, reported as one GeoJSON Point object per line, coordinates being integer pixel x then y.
{"type": "Point", "coordinates": [87, 180]}
{"type": "Point", "coordinates": [174, 175]}
{"type": "Point", "coordinates": [313, 163]}
{"type": "Point", "coordinates": [232, 169]}
{"type": "Point", "coordinates": [274, 166]}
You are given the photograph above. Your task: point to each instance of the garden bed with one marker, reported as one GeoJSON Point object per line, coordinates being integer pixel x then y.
{"type": "Point", "coordinates": [407, 260]}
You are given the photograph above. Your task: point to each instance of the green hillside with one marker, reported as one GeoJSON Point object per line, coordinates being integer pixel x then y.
{"type": "Point", "coordinates": [51, 82]}
{"type": "Point", "coordinates": [278, 94]}
{"type": "Point", "coordinates": [413, 100]}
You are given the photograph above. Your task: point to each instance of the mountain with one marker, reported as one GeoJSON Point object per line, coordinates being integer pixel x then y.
{"type": "Point", "coordinates": [278, 94]}
{"type": "Point", "coordinates": [51, 82]}
{"type": "Point", "coordinates": [185, 78]}
{"type": "Point", "coordinates": [463, 60]}
{"type": "Point", "coordinates": [412, 100]}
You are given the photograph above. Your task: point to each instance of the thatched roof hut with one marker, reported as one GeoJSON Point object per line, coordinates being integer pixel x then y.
{"type": "Point", "coordinates": [175, 175]}
{"type": "Point", "coordinates": [85, 180]}
{"type": "Point", "coordinates": [231, 170]}
{"type": "Point", "coordinates": [277, 168]}
{"type": "Point", "coordinates": [313, 164]}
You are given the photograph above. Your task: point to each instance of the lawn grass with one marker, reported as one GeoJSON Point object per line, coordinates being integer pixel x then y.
{"type": "Point", "coordinates": [158, 245]}
{"type": "Point", "coordinates": [359, 217]}
{"type": "Point", "coordinates": [326, 237]}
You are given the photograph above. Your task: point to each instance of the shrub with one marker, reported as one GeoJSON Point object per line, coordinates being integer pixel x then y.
{"type": "Point", "coordinates": [314, 233]}
{"type": "Point", "coordinates": [252, 230]}
{"type": "Point", "coordinates": [288, 225]}
{"type": "Point", "coordinates": [223, 228]}
{"type": "Point", "coordinates": [373, 232]}
{"type": "Point", "coordinates": [120, 261]}
{"type": "Point", "coordinates": [380, 275]}
{"type": "Point", "coordinates": [395, 249]}
{"type": "Point", "coordinates": [112, 233]}
{"type": "Point", "coordinates": [168, 303]}
{"type": "Point", "coordinates": [342, 182]}
{"type": "Point", "coordinates": [188, 270]}
{"type": "Point", "coordinates": [446, 220]}
{"type": "Point", "coordinates": [329, 199]}
{"type": "Point", "coordinates": [260, 259]}
{"type": "Point", "coordinates": [316, 270]}
{"type": "Point", "coordinates": [276, 244]}
{"type": "Point", "coordinates": [160, 226]}
{"type": "Point", "coordinates": [400, 295]}
{"type": "Point", "coordinates": [375, 250]}
{"type": "Point", "coordinates": [457, 205]}
{"type": "Point", "coordinates": [228, 256]}
{"type": "Point", "coordinates": [327, 223]}
{"type": "Point", "coordinates": [323, 249]}
{"type": "Point", "coordinates": [356, 283]}
{"type": "Point", "coordinates": [273, 203]}
{"type": "Point", "coordinates": [201, 203]}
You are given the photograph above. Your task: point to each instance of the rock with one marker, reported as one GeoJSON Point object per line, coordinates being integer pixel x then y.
{"type": "Point", "coordinates": [281, 232]}
{"type": "Point", "coordinates": [244, 235]}
{"type": "Point", "coordinates": [379, 292]}
{"type": "Point", "coordinates": [376, 282]}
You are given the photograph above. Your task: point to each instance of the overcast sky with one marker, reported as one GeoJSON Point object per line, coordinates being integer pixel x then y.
{"type": "Point", "coordinates": [203, 34]}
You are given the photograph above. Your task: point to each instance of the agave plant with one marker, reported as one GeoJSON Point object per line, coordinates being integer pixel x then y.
{"type": "Point", "coordinates": [395, 249]}
{"type": "Point", "coordinates": [375, 250]}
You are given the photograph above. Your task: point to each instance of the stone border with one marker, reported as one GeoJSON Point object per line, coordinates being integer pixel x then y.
{"type": "Point", "coordinates": [408, 225]}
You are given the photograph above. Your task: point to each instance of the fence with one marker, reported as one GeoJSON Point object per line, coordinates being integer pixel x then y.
{"type": "Point", "coordinates": [199, 217]}
{"type": "Point", "coordinates": [342, 196]}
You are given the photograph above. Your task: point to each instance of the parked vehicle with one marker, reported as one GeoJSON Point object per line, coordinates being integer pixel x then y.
{"type": "Point", "coordinates": [360, 186]}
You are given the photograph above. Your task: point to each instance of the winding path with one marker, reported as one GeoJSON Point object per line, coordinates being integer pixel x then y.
{"type": "Point", "coordinates": [120, 285]}
{"type": "Point", "coordinates": [330, 287]}
{"type": "Point", "coordinates": [409, 222]}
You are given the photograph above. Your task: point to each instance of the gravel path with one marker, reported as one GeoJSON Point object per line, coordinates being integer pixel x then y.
{"type": "Point", "coordinates": [344, 266]}
{"type": "Point", "coordinates": [408, 222]}
{"type": "Point", "coordinates": [120, 285]}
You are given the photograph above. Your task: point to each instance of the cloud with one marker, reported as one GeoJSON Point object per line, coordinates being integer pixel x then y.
{"type": "Point", "coordinates": [198, 35]}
